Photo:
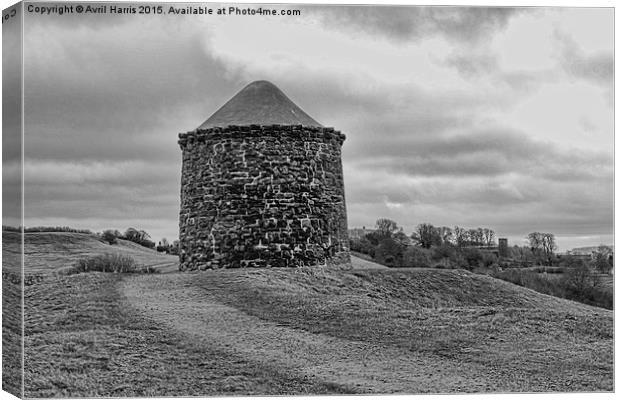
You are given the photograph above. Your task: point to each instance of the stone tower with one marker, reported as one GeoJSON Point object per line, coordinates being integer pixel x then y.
{"type": "Point", "coordinates": [262, 186]}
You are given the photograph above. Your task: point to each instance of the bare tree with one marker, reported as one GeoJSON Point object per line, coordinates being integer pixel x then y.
{"type": "Point", "coordinates": [535, 240]}
{"type": "Point", "coordinates": [548, 244]}
{"type": "Point", "coordinates": [426, 235]}
{"type": "Point", "coordinates": [489, 236]}
{"type": "Point", "coordinates": [603, 259]}
{"type": "Point", "coordinates": [445, 233]}
{"type": "Point", "coordinates": [460, 236]}
{"type": "Point", "coordinates": [386, 227]}
{"type": "Point", "coordinates": [542, 245]}
{"type": "Point", "coordinates": [138, 236]}
{"type": "Point", "coordinates": [475, 237]}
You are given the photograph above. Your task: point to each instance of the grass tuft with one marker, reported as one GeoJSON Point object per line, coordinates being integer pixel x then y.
{"type": "Point", "coordinates": [116, 263]}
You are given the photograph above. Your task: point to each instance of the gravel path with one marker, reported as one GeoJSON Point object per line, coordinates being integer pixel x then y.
{"type": "Point", "coordinates": [172, 301]}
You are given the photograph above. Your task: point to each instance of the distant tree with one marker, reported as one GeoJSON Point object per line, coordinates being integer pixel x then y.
{"type": "Point", "coordinates": [364, 245]}
{"type": "Point", "coordinates": [402, 238]}
{"type": "Point", "coordinates": [386, 227]}
{"type": "Point", "coordinates": [535, 240]}
{"type": "Point", "coordinates": [109, 236]}
{"type": "Point", "coordinates": [174, 248]}
{"type": "Point", "coordinates": [489, 236]}
{"type": "Point", "coordinates": [373, 238]}
{"type": "Point", "coordinates": [521, 253]}
{"type": "Point", "coordinates": [478, 237]}
{"type": "Point", "coordinates": [542, 246]}
{"type": "Point", "coordinates": [548, 244]}
{"type": "Point", "coordinates": [132, 234]}
{"type": "Point", "coordinates": [390, 252]}
{"type": "Point", "coordinates": [426, 235]}
{"type": "Point", "coordinates": [163, 246]}
{"type": "Point", "coordinates": [580, 281]}
{"type": "Point", "coordinates": [445, 234]}
{"type": "Point", "coordinates": [602, 260]}
{"type": "Point", "coordinates": [460, 236]}
{"type": "Point", "coordinates": [139, 236]}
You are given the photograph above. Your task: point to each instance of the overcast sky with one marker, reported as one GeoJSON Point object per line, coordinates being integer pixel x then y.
{"type": "Point", "coordinates": [499, 118]}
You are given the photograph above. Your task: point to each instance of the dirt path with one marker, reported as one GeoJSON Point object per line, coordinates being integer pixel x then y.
{"type": "Point", "coordinates": [174, 302]}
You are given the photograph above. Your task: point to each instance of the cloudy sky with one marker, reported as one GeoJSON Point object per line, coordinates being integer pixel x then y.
{"type": "Point", "coordinates": [500, 118]}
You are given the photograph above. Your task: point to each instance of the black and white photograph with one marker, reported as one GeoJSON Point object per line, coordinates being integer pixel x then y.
{"type": "Point", "coordinates": [289, 199]}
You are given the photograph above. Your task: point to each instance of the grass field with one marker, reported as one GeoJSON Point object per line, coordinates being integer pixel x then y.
{"type": "Point", "coordinates": [298, 331]}
{"type": "Point", "coordinates": [50, 252]}
{"type": "Point", "coordinates": [83, 341]}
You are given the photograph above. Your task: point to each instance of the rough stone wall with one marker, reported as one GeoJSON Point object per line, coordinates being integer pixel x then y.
{"type": "Point", "coordinates": [262, 196]}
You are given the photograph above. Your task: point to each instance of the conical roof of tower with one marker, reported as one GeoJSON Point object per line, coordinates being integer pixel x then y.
{"type": "Point", "coordinates": [259, 103]}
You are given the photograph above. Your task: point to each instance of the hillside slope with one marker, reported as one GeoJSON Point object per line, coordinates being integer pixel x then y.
{"type": "Point", "coordinates": [294, 331]}
{"type": "Point", "coordinates": [46, 252]}
{"type": "Point", "coordinates": [384, 331]}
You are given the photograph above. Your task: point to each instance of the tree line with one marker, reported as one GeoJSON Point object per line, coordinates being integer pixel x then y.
{"type": "Point", "coordinates": [427, 246]}
{"type": "Point", "coordinates": [140, 237]}
{"type": "Point", "coordinates": [459, 247]}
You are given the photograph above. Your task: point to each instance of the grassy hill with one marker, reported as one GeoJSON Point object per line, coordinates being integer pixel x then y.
{"type": "Point", "coordinates": [48, 252]}
{"type": "Point", "coordinates": [297, 331]}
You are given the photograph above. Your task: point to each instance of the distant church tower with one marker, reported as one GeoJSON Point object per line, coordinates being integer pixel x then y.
{"type": "Point", "coordinates": [262, 186]}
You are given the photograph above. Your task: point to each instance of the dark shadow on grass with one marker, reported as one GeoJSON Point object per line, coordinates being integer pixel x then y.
{"type": "Point", "coordinates": [82, 341]}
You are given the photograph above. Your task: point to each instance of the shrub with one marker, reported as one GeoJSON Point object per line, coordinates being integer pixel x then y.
{"type": "Point", "coordinates": [602, 263]}
{"type": "Point", "coordinates": [363, 245]}
{"type": "Point", "coordinates": [473, 257]}
{"type": "Point", "coordinates": [416, 257]}
{"type": "Point", "coordinates": [580, 281]}
{"type": "Point", "coordinates": [174, 248]}
{"type": "Point", "coordinates": [532, 280]}
{"type": "Point", "coordinates": [116, 263]}
{"type": "Point", "coordinates": [109, 236]}
{"type": "Point", "coordinates": [488, 259]}
{"type": "Point", "coordinates": [389, 252]}
{"type": "Point", "coordinates": [442, 251]}
{"type": "Point", "coordinates": [139, 236]}
{"type": "Point", "coordinates": [578, 284]}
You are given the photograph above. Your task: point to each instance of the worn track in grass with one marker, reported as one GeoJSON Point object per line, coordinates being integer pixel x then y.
{"type": "Point", "coordinates": [308, 330]}
{"type": "Point", "coordinates": [378, 332]}
{"type": "Point", "coordinates": [81, 340]}
{"type": "Point", "coordinates": [367, 367]}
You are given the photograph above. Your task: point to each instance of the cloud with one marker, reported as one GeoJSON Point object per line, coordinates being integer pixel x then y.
{"type": "Point", "coordinates": [497, 178]}
{"type": "Point", "coordinates": [483, 153]}
{"type": "Point", "coordinates": [407, 23]}
{"type": "Point", "coordinates": [88, 97]}
{"type": "Point", "coordinates": [468, 116]}
{"type": "Point", "coordinates": [108, 190]}
{"type": "Point", "coordinates": [597, 68]}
